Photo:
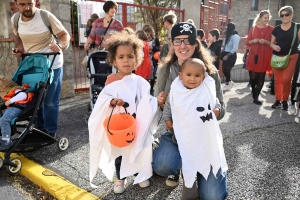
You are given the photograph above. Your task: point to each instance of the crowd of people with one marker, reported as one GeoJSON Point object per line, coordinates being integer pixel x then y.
{"type": "Point", "coordinates": [183, 82]}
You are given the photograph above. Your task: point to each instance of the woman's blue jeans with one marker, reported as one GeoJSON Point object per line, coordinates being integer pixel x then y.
{"type": "Point", "coordinates": [167, 161]}
{"type": "Point", "coordinates": [48, 113]}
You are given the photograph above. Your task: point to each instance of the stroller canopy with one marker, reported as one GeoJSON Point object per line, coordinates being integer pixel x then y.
{"type": "Point", "coordinates": [33, 70]}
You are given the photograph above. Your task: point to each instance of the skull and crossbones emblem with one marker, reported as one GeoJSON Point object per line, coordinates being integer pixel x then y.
{"type": "Point", "coordinates": [186, 27]}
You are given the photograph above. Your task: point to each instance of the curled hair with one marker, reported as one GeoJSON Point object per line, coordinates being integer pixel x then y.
{"type": "Point", "coordinates": [200, 53]}
{"type": "Point", "coordinates": [108, 5]}
{"type": "Point", "coordinates": [149, 29]}
{"type": "Point", "coordinates": [123, 39]}
{"type": "Point", "coordinates": [129, 30]}
{"type": "Point", "coordinates": [215, 32]}
{"type": "Point", "coordinates": [260, 15]}
{"type": "Point", "coordinates": [288, 9]}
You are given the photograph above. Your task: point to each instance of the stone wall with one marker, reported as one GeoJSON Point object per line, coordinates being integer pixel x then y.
{"type": "Point", "coordinates": [8, 64]}
{"type": "Point", "coordinates": [240, 12]}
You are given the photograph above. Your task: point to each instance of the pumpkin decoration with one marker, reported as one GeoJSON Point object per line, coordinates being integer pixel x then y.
{"type": "Point", "coordinates": [120, 128]}
{"type": "Point", "coordinates": [156, 55]}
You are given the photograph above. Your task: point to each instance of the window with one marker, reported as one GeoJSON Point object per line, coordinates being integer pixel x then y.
{"type": "Point", "coordinates": [254, 6]}
{"type": "Point", "coordinates": [281, 4]}
{"type": "Point", "coordinates": [250, 24]}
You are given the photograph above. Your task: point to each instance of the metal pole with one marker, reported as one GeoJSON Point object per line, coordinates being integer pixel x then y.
{"type": "Point", "coordinates": [269, 4]}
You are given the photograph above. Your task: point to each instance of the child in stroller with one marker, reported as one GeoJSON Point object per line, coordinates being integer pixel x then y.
{"type": "Point", "coordinates": [35, 71]}
{"type": "Point", "coordinates": [15, 101]}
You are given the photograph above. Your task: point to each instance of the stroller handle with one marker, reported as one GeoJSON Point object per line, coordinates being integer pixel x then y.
{"type": "Point", "coordinates": [45, 54]}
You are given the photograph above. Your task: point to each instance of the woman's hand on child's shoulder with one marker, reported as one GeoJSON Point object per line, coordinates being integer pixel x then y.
{"type": "Point", "coordinates": [161, 98]}
{"type": "Point", "coordinates": [118, 102]}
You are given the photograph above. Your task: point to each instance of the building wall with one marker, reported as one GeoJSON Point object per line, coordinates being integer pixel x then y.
{"type": "Point", "coordinates": [8, 63]}
{"type": "Point", "coordinates": [192, 10]}
{"type": "Point", "coordinates": [240, 12]}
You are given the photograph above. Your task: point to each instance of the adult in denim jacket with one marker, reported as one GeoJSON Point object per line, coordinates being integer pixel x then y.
{"type": "Point", "coordinates": [166, 159]}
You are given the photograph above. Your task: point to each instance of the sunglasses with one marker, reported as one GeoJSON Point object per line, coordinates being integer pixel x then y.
{"type": "Point", "coordinates": [284, 15]}
{"type": "Point", "coordinates": [177, 42]}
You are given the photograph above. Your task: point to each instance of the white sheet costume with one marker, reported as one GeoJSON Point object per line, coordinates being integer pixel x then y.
{"type": "Point", "coordinates": [196, 128]}
{"type": "Point", "coordinates": [136, 157]}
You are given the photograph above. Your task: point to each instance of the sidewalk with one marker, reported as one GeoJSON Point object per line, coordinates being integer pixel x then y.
{"type": "Point", "coordinates": [261, 146]}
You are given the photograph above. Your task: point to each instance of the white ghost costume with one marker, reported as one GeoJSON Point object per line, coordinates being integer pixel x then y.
{"type": "Point", "coordinates": [196, 128]}
{"type": "Point", "coordinates": [137, 156]}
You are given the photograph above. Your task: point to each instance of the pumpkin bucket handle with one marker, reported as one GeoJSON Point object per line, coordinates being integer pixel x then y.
{"type": "Point", "coordinates": [124, 106]}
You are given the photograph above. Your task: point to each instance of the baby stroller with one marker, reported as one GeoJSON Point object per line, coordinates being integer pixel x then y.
{"type": "Point", "coordinates": [35, 70]}
{"type": "Point", "coordinates": [97, 72]}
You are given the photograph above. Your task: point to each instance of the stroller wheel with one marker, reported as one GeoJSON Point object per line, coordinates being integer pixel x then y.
{"type": "Point", "coordinates": [1, 162]}
{"type": "Point", "coordinates": [16, 169]}
{"type": "Point", "coordinates": [63, 143]}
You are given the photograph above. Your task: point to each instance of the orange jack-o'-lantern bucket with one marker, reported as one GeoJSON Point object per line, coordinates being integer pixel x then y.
{"type": "Point", "coordinates": [120, 129]}
{"type": "Point", "coordinates": [156, 55]}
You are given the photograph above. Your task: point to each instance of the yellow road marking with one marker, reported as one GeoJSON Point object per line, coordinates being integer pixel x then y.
{"type": "Point", "coordinates": [51, 182]}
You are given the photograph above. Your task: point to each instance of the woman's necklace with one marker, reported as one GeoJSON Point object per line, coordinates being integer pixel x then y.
{"type": "Point", "coordinates": [107, 20]}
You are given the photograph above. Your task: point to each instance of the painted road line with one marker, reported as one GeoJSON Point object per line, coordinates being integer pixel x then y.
{"type": "Point", "coordinates": [51, 182]}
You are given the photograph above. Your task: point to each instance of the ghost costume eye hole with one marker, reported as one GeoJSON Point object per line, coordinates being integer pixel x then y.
{"type": "Point", "coordinates": [200, 109]}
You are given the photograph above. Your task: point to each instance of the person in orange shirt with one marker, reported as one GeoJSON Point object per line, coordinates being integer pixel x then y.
{"type": "Point", "coordinates": [15, 100]}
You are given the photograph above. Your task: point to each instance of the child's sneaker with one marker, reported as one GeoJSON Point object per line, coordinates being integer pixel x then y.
{"type": "Point", "coordinates": [119, 186]}
{"type": "Point", "coordinates": [144, 184]}
{"type": "Point", "coordinates": [172, 181]}
{"type": "Point", "coordinates": [277, 104]}
{"type": "Point", "coordinates": [4, 145]}
{"type": "Point", "coordinates": [284, 105]}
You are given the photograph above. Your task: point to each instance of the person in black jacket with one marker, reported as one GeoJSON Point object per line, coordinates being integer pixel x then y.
{"type": "Point", "coordinates": [154, 46]}
{"type": "Point", "coordinates": [214, 45]}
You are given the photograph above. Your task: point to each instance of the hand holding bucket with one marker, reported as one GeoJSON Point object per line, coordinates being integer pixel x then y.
{"type": "Point", "coordinates": [120, 128]}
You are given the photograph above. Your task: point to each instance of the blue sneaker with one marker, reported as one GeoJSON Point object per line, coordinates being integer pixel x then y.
{"type": "Point", "coordinates": [4, 145]}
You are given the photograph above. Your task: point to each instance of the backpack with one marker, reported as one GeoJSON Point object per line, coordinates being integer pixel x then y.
{"type": "Point", "coordinates": [44, 16]}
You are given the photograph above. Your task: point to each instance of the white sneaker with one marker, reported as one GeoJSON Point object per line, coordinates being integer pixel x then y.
{"type": "Point", "coordinates": [172, 181]}
{"type": "Point", "coordinates": [230, 84]}
{"type": "Point", "coordinates": [144, 184]}
{"type": "Point", "coordinates": [225, 87]}
{"type": "Point", "coordinates": [292, 108]}
{"type": "Point", "coordinates": [119, 186]}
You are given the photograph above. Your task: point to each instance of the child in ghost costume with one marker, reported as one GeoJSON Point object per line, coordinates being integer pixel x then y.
{"type": "Point", "coordinates": [123, 89]}
{"type": "Point", "coordinates": [188, 114]}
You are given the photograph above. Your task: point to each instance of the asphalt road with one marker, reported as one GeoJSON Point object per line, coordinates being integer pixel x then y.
{"type": "Point", "coordinates": [261, 146]}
